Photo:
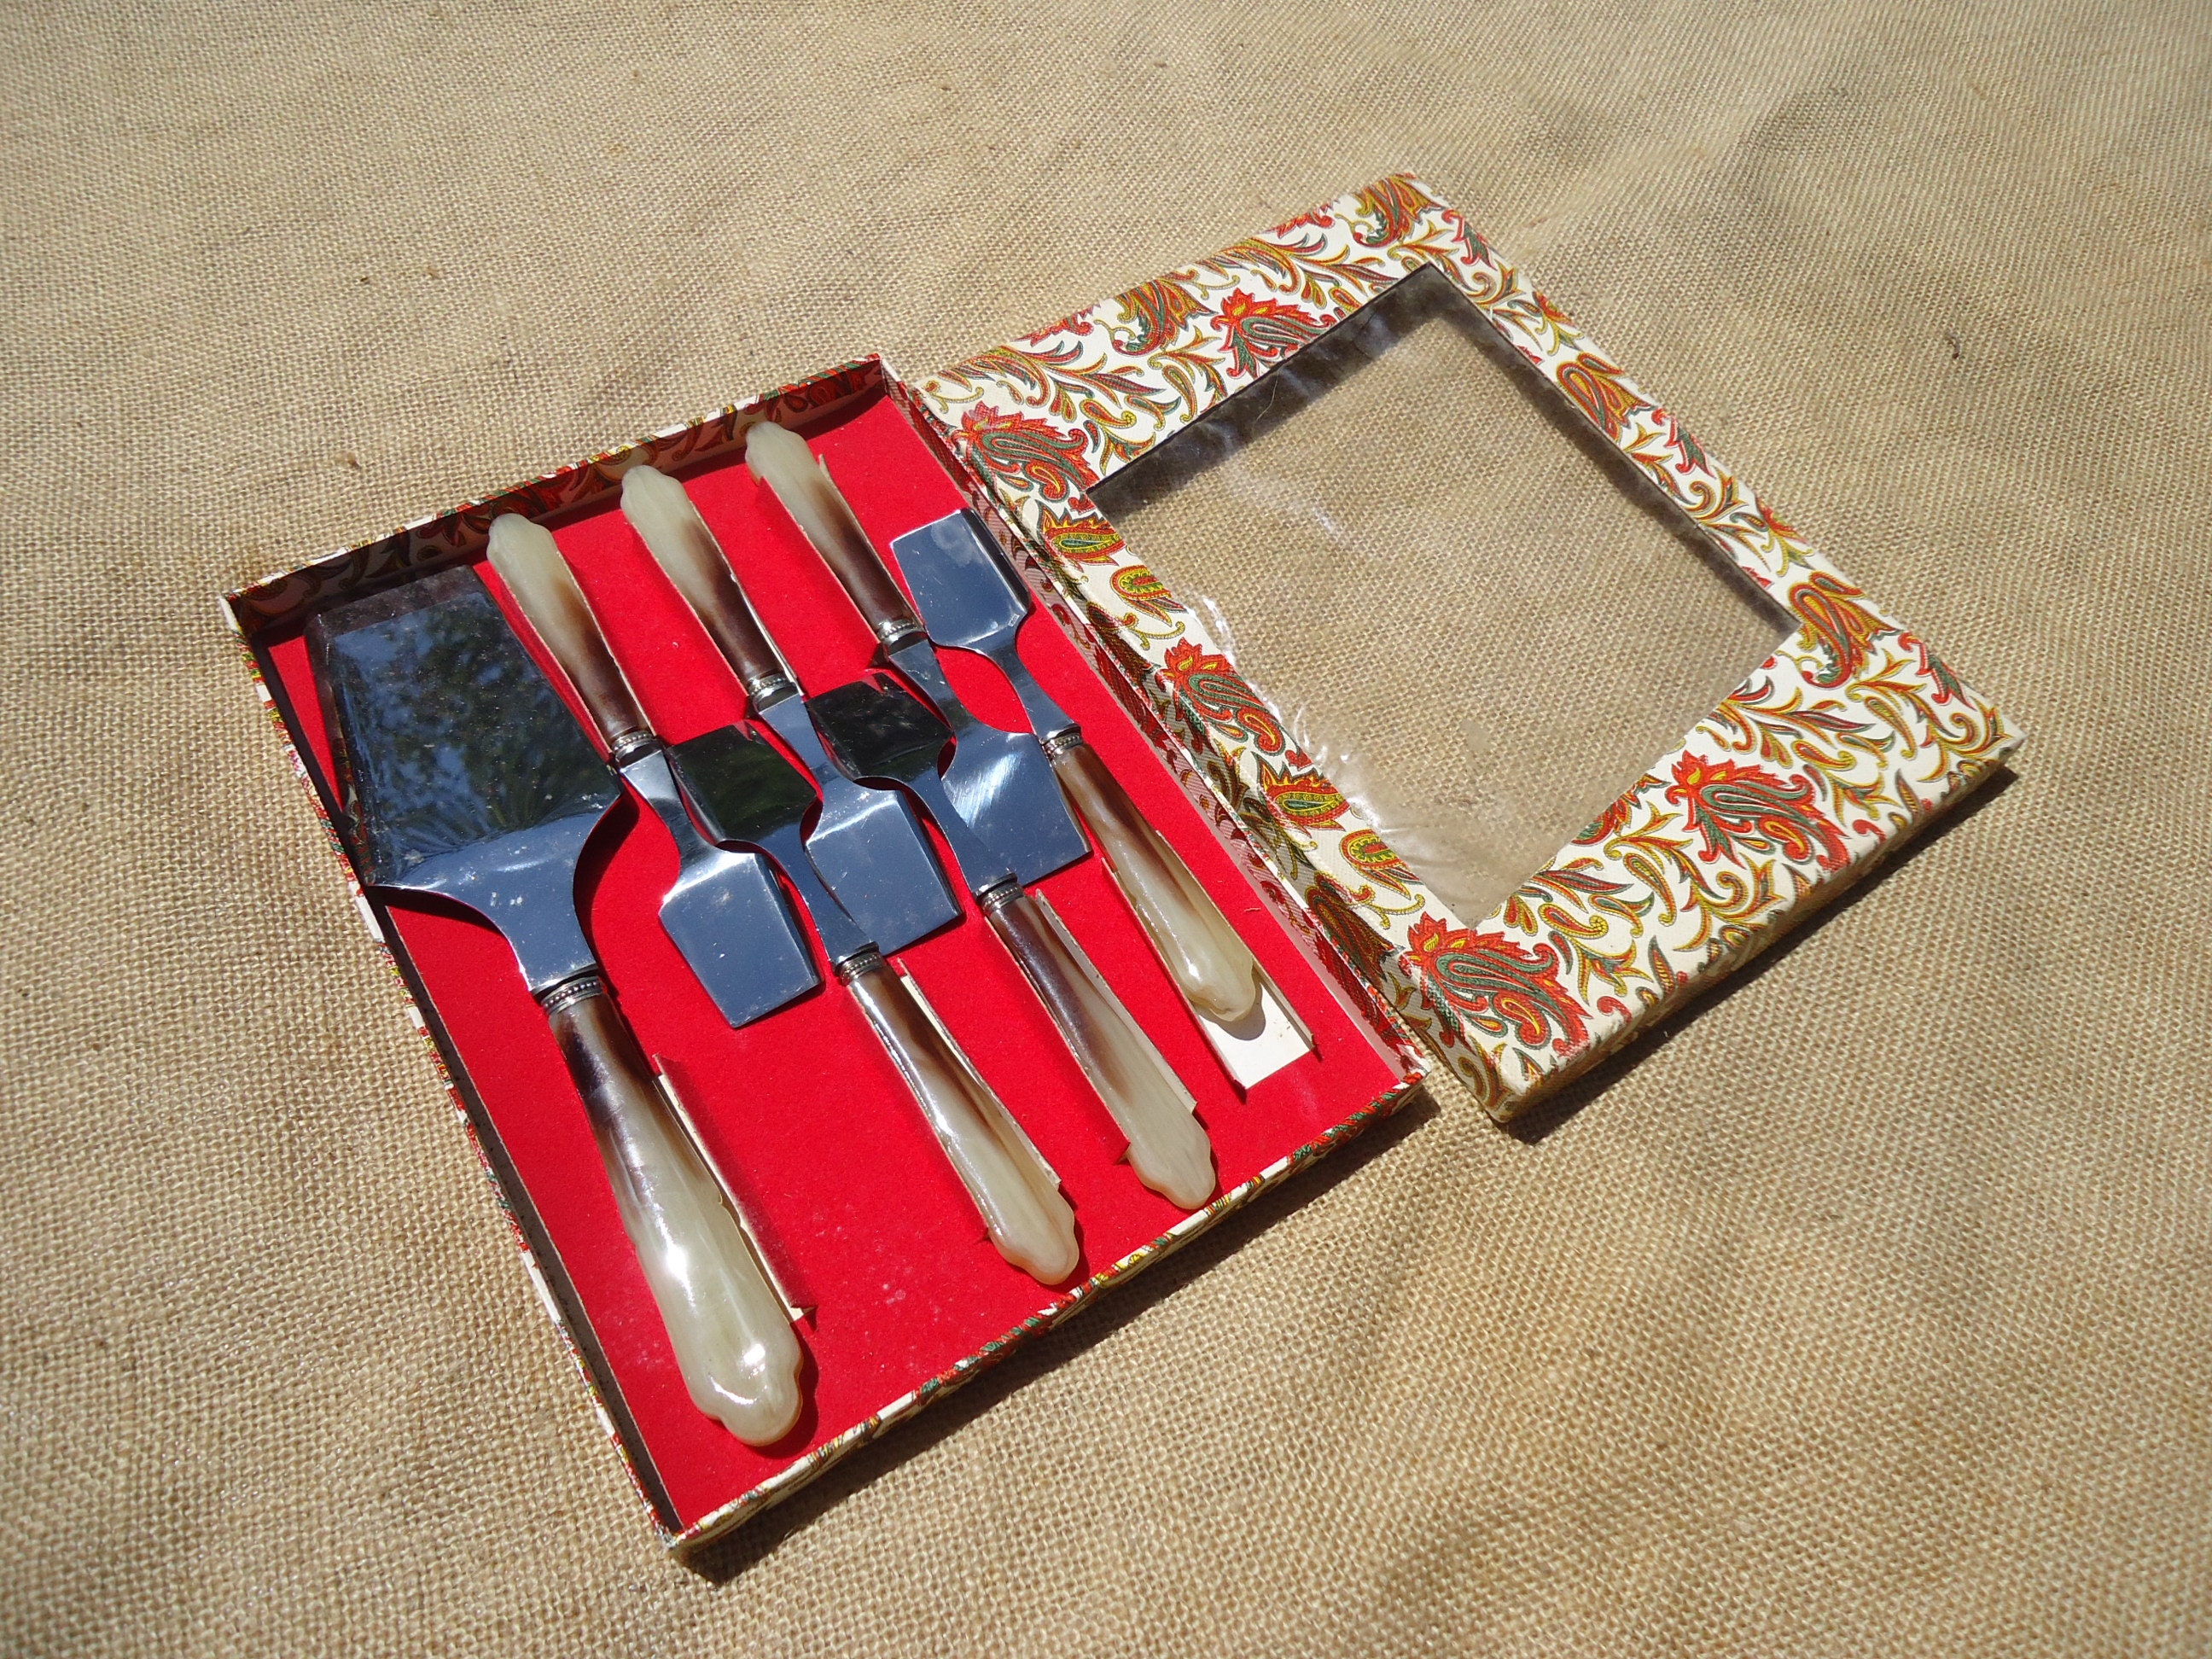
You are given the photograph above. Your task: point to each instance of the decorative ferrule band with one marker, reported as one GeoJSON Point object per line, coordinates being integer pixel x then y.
{"type": "Point", "coordinates": [768, 689]}
{"type": "Point", "coordinates": [630, 746]}
{"type": "Point", "coordinates": [897, 636]}
{"type": "Point", "coordinates": [582, 988]}
{"type": "Point", "coordinates": [860, 963]}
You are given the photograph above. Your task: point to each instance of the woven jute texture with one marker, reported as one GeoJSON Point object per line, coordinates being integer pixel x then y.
{"type": "Point", "coordinates": [1864, 1311]}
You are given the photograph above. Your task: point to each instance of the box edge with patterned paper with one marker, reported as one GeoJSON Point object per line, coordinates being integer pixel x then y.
{"type": "Point", "coordinates": [428, 543]}
{"type": "Point", "coordinates": [1830, 755]}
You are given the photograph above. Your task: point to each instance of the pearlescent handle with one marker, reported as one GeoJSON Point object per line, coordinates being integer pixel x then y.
{"type": "Point", "coordinates": [1214, 968]}
{"type": "Point", "coordinates": [530, 565]}
{"type": "Point", "coordinates": [780, 459]}
{"type": "Point", "coordinates": [1168, 1148]}
{"type": "Point", "coordinates": [667, 520]}
{"type": "Point", "coordinates": [732, 1339]}
{"type": "Point", "coordinates": [1028, 1218]}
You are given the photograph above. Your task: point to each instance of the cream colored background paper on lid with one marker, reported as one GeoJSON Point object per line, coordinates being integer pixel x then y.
{"type": "Point", "coordinates": [1864, 1314]}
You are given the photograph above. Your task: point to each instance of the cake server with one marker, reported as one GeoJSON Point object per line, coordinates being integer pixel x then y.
{"type": "Point", "coordinates": [866, 843]}
{"type": "Point", "coordinates": [999, 781]}
{"type": "Point", "coordinates": [461, 773]}
{"type": "Point", "coordinates": [725, 912]}
{"type": "Point", "coordinates": [971, 602]}
{"type": "Point", "coordinates": [883, 732]}
{"type": "Point", "coordinates": [744, 791]}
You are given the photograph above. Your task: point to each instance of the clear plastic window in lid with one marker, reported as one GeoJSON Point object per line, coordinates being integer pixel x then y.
{"type": "Point", "coordinates": [1477, 619]}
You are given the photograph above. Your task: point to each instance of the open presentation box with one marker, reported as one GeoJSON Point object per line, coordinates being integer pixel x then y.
{"type": "Point", "coordinates": [1835, 747]}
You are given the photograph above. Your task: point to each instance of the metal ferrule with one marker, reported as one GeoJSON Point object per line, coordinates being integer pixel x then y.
{"type": "Point", "coordinates": [1000, 894]}
{"type": "Point", "coordinates": [582, 988]}
{"type": "Point", "coordinates": [1057, 744]}
{"type": "Point", "coordinates": [630, 746]}
{"type": "Point", "coordinates": [860, 963]}
{"type": "Point", "coordinates": [897, 636]}
{"type": "Point", "coordinates": [768, 689]}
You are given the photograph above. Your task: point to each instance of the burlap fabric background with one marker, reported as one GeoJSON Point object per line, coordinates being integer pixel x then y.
{"type": "Point", "coordinates": [1865, 1314]}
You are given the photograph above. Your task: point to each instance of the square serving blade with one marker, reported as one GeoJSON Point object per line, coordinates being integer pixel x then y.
{"type": "Point", "coordinates": [459, 769]}
{"type": "Point", "coordinates": [969, 600]}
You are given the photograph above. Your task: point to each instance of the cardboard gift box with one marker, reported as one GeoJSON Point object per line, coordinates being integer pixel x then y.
{"type": "Point", "coordinates": [1835, 749]}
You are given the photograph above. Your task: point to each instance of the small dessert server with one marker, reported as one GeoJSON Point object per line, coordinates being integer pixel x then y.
{"type": "Point", "coordinates": [866, 844]}
{"type": "Point", "coordinates": [725, 913]}
{"type": "Point", "coordinates": [972, 602]}
{"type": "Point", "coordinates": [744, 792]}
{"type": "Point", "coordinates": [463, 775]}
{"type": "Point", "coordinates": [999, 781]}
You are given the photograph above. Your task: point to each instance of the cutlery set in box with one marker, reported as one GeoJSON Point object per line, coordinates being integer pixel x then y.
{"type": "Point", "coordinates": [848, 967]}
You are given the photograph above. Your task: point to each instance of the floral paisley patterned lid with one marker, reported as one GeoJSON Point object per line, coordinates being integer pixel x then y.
{"type": "Point", "coordinates": [1833, 750]}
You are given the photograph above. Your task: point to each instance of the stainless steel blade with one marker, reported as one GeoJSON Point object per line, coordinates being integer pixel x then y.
{"type": "Point", "coordinates": [881, 731]}
{"type": "Point", "coordinates": [461, 771]}
{"type": "Point", "coordinates": [999, 782]}
{"type": "Point", "coordinates": [745, 791]}
{"type": "Point", "coordinates": [867, 845]}
{"type": "Point", "coordinates": [725, 912]}
{"type": "Point", "coordinates": [970, 601]}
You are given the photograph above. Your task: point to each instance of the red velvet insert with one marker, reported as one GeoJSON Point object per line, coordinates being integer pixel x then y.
{"type": "Point", "coordinates": [838, 1173]}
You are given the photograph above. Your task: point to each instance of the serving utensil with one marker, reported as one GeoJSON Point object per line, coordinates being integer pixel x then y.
{"type": "Point", "coordinates": [999, 781]}
{"type": "Point", "coordinates": [881, 731]}
{"type": "Point", "coordinates": [462, 774]}
{"type": "Point", "coordinates": [745, 792]}
{"type": "Point", "coordinates": [724, 911]}
{"type": "Point", "coordinates": [970, 601]}
{"type": "Point", "coordinates": [866, 843]}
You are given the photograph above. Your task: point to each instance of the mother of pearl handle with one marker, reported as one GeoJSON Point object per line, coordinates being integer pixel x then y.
{"type": "Point", "coordinates": [1020, 1202]}
{"type": "Point", "coordinates": [781, 460]}
{"type": "Point", "coordinates": [530, 563]}
{"type": "Point", "coordinates": [662, 512]}
{"type": "Point", "coordinates": [1168, 1148]}
{"type": "Point", "coordinates": [731, 1335]}
{"type": "Point", "coordinates": [1214, 968]}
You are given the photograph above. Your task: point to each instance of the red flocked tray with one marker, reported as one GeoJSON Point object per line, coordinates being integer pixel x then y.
{"type": "Point", "coordinates": [835, 1169]}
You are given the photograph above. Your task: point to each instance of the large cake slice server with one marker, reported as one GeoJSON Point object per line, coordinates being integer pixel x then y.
{"type": "Point", "coordinates": [866, 843]}
{"type": "Point", "coordinates": [725, 912]}
{"type": "Point", "coordinates": [999, 781]}
{"type": "Point", "coordinates": [461, 773]}
{"type": "Point", "coordinates": [881, 731]}
{"type": "Point", "coordinates": [972, 602]}
{"type": "Point", "coordinates": [745, 792]}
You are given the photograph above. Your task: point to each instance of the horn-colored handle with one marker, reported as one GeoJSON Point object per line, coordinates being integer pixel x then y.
{"type": "Point", "coordinates": [1022, 1207]}
{"type": "Point", "coordinates": [530, 565]}
{"type": "Point", "coordinates": [781, 460]}
{"type": "Point", "coordinates": [668, 522]}
{"type": "Point", "coordinates": [1168, 1148]}
{"type": "Point", "coordinates": [1215, 970]}
{"type": "Point", "coordinates": [732, 1338]}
